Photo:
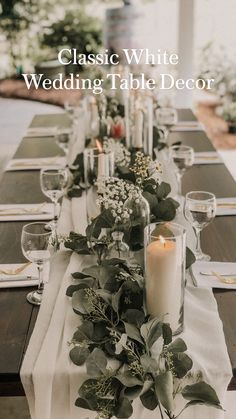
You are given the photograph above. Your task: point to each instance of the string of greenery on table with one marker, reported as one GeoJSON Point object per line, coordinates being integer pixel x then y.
{"type": "Point", "coordinates": [128, 354]}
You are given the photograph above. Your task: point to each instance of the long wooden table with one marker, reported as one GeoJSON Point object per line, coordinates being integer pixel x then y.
{"type": "Point", "coordinates": [17, 317]}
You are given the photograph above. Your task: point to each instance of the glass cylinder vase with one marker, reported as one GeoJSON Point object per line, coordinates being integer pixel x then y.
{"type": "Point", "coordinates": [98, 167]}
{"type": "Point", "coordinates": [139, 210]}
{"type": "Point", "coordinates": [165, 260]}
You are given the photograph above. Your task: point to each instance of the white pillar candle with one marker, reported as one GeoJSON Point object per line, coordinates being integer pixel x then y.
{"type": "Point", "coordinates": [150, 124]}
{"type": "Point", "coordinates": [164, 281]}
{"type": "Point", "coordinates": [102, 167]}
{"type": "Point", "coordinates": [127, 120]}
{"type": "Point", "coordinates": [138, 129]}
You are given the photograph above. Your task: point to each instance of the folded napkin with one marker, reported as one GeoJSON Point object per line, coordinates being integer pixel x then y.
{"type": "Point", "coordinates": [207, 157]}
{"type": "Point", "coordinates": [187, 126]}
{"type": "Point", "coordinates": [25, 212]}
{"type": "Point", "coordinates": [226, 206]}
{"type": "Point", "coordinates": [35, 164]}
{"type": "Point", "coordinates": [27, 277]}
{"type": "Point", "coordinates": [226, 269]}
{"type": "Point", "coordinates": [41, 132]}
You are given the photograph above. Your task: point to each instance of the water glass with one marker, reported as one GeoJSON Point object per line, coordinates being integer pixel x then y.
{"type": "Point", "coordinates": [183, 158]}
{"type": "Point", "coordinates": [53, 184]}
{"type": "Point", "coordinates": [166, 118]}
{"type": "Point", "coordinates": [37, 246]}
{"type": "Point", "coordinates": [200, 210]}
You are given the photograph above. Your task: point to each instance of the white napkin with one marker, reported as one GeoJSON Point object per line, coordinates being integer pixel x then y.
{"type": "Point", "coordinates": [187, 126]}
{"type": "Point", "coordinates": [20, 280]}
{"type": "Point", "coordinates": [207, 157]}
{"type": "Point", "coordinates": [26, 212]}
{"type": "Point", "coordinates": [226, 206]}
{"type": "Point", "coordinates": [35, 164]}
{"type": "Point", "coordinates": [41, 132]}
{"type": "Point", "coordinates": [223, 268]}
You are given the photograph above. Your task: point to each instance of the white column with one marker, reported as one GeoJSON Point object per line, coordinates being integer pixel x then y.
{"type": "Point", "coordinates": [185, 50]}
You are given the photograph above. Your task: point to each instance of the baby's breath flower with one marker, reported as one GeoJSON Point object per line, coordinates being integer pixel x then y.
{"type": "Point", "coordinates": [122, 155]}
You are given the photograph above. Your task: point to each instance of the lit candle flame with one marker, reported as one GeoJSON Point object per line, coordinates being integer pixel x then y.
{"type": "Point", "coordinates": [99, 146]}
{"type": "Point", "coordinates": [162, 240]}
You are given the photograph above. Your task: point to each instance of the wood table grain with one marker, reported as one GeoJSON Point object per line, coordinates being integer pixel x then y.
{"type": "Point", "coordinates": [17, 317]}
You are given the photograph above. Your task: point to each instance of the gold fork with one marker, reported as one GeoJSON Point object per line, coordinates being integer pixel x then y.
{"type": "Point", "coordinates": [15, 271]}
{"type": "Point", "coordinates": [224, 279]}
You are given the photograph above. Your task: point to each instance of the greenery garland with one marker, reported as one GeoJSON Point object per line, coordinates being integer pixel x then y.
{"type": "Point", "coordinates": [127, 354]}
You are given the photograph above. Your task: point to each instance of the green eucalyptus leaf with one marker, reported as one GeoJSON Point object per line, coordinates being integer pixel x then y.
{"type": "Point", "coordinates": [163, 190]}
{"type": "Point", "coordinates": [78, 243]}
{"type": "Point", "coordinates": [133, 332]}
{"type": "Point", "coordinates": [80, 275]}
{"type": "Point", "coordinates": [96, 363]}
{"type": "Point", "coordinates": [133, 392]}
{"type": "Point", "coordinates": [135, 317]}
{"type": "Point", "coordinates": [128, 379]}
{"type": "Point", "coordinates": [83, 404]}
{"type": "Point", "coordinates": [124, 408]}
{"type": "Point", "coordinates": [103, 220]}
{"type": "Point", "coordinates": [166, 333]}
{"type": "Point", "coordinates": [181, 364]}
{"type": "Point", "coordinates": [190, 258]}
{"type": "Point", "coordinates": [199, 402]}
{"type": "Point", "coordinates": [149, 399]}
{"type": "Point", "coordinates": [151, 199]}
{"type": "Point", "coordinates": [105, 295]}
{"type": "Point", "coordinates": [116, 299]}
{"type": "Point", "coordinates": [178, 345]}
{"type": "Point", "coordinates": [155, 333]}
{"type": "Point", "coordinates": [202, 392]}
{"type": "Point", "coordinates": [165, 210]}
{"type": "Point", "coordinates": [84, 332]}
{"type": "Point", "coordinates": [81, 303]}
{"type": "Point", "coordinates": [75, 192]}
{"type": "Point", "coordinates": [78, 355]}
{"type": "Point", "coordinates": [164, 390]}
{"type": "Point", "coordinates": [73, 288]}
{"type": "Point", "coordinates": [148, 363]}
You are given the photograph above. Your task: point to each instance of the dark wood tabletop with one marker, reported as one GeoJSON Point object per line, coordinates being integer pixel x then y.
{"type": "Point", "coordinates": [17, 316]}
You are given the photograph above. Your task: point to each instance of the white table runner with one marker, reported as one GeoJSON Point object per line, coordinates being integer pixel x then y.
{"type": "Point", "coordinates": [50, 379]}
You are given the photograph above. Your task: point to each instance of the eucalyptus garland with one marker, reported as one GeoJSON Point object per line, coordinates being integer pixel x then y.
{"type": "Point", "coordinates": [127, 354]}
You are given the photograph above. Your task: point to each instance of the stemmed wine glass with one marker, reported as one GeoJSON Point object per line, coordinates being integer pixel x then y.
{"type": "Point", "coordinates": [200, 210]}
{"type": "Point", "coordinates": [63, 139]}
{"type": "Point", "coordinates": [37, 246]}
{"type": "Point", "coordinates": [53, 184]}
{"type": "Point", "coordinates": [183, 158]}
{"type": "Point", "coordinates": [166, 118]}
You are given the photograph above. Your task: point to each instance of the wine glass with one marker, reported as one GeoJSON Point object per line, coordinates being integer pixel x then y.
{"type": "Point", "coordinates": [166, 117]}
{"type": "Point", "coordinates": [53, 184]}
{"type": "Point", "coordinates": [200, 210]}
{"type": "Point", "coordinates": [183, 158]}
{"type": "Point", "coordinates": [37, 246]}
{"type": "Point", "coordinates": [63, 139]}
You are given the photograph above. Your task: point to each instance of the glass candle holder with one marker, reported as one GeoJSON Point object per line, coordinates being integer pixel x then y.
{"type": "Point", "coordinates": [165, 260]}
{"type": "Point", "coordinates": [98, 166]}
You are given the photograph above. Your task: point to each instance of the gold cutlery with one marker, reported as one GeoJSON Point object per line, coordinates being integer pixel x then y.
{"type": "Point", "coordinates": [33, 163]}
{"type": "Point", "coordinates": [224, 279]}
{"type": "Point", "coordinates": [205, 273]}
{"type": "Point", "coordinates": [15, 271]}
{"type": "Point", "coordinates": [22, 211]}
{"type": "Point", "coordinates": [226, 204]}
